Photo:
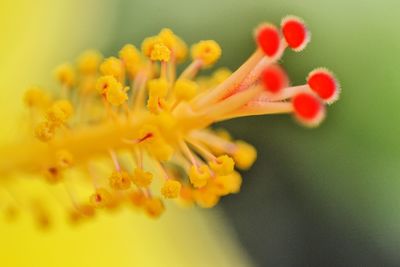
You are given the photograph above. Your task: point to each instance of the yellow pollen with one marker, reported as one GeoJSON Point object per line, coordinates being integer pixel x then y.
{"type": "Point", "coordinates": [132, 59]}
{"type": "Point", "coordinates": [120, 180]}
{"type": "Point", "coordinates": [101, 198]}
{"type": "Point", "coordinates": [36, 97]}
{"type": "Point", "coordinates": [137, 198]}
{"type": "Point", "coordinates": [44, 131]}
{"type": "Point", "coordinates": [154, 207]}
{"type": "Point", "coordinates": [65, 75]}
{"type": "Point", "coordinates": [116, 95]}
{"type": "Point", "coordinates": [59, 112]}
{"type": "Point", "coordinates": [206, 198]}
{"type": "Point", "coordinates": [148, 45]}
{"type": "Point", "coordinates": [177, 46]}
{"type": "Point", "coordinates": [158, 89]}
{"type": "Point", "coordinates": [142, 178]}
{"type": "Point", "coordinates": [199, 176]}
{"type": "Point", "coordinates": [207, 51]}
{"type": "Point", "coordinates": [113, 66]}
{"type": "Point", "coordinates": [88, 62]}
{"type": "Point", "coordinates": [104, 83]}
{"type": "Point", "coordinates": [160, 52]}
{"type": "Point", "coordinates": [171, 189]}
{"type": "Point", "coordinates": [228, 184]}
{"type": "Point", "coordinates": [244, 155]}
{"type": "Point", "coordinates": [223, 165]}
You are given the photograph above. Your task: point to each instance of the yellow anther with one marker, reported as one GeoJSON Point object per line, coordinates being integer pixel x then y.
{"type": "Point", "coordinates": [148, 45]}
{"type": "Point", "coordinates": [60, 112]}
{"type": "Point", "coordinates": [206, 198]}
{"type": "Point", "coordinates": [120, 180]}
{"type": "Point", "coordinates": [131, 57]}
{"type": "Point", "coordinates": [168, 37]}
{"type": "Point", "coordinates": [187, 194]}
{"type": "Point", "coordinates": [158, 87]}
{"type": "Point", "coordinates": [81, 212]}
{"type": "Point", "coordinates": [129, 54]}
{"type": "Point", "coordinates": [45, 131]}
{"type": "Point", "coordinates": [114, 203]}
{"type": "Point", "coordinates": [104, 83]}
{"type": "Point", "coordinates": [142, 178]}
{"type": "Point", "coordinates": [228, 184]}
{"type": "Point", "coordinates": [220, 75]}
{"type": "Point", "coordinates": [114, 67]}
{"type": "Point", "coordinates": [244, 155]}
{"type": "Point", "coordinates": [116, 95]}
{"type": "Point", "coordinates": [36, 97]}
{"type": "Point", "coordinates": [112, 90]}
{"type": "Point", "coordinates": [154, 207]}
{"type": "Point", "coordinates": [100, 198]}
{"type": "Point", "coordinates": [185, 90]}
{"type": "Point", "coordinates": [160, 52]}
{"type": "Point", "coordinates": [137, 198]}
{"type": "Point", "coordinates": [64, 159]}
{"type": "Point", "coordinates": [223, 165]}
{"type": "Point", "coordinates": [89, 61]}
{"type": "Point", "coordinates": [199, 176]}
{"type": "Point", "coordinates": [174, 43]}
{"type": "Point", "coordinates": [52, 174]}
{"type": "Point", "coordinates": [171, 189]}
{"type": "Point", "coordinates": [86, 210]}
{"type": "Point", "coordinates": [88, 84]}
{"type": "Point", "coordinates": [207, 51]}
{"type": "Point", "coordinates": [41, 215]}
{"type": "Point", "coordinates": [65, 74]}
{"type": "Point", "coordinates": [181, 51]}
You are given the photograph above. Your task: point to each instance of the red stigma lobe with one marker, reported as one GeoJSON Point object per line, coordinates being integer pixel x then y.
{"type": "Point", "coordinates": [295, 33]}
{"type": "Point", "coordinates": [324, 84]}
{"type": "Point", "coordinates": [268, 38]}
{"type": "Point", "coordinates": [274, 79]}
{"type": "Point", "coordinates": [307, 107]}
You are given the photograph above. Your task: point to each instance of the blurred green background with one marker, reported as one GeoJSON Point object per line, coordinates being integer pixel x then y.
{"type": "Point", "coordinates": [322, 197]}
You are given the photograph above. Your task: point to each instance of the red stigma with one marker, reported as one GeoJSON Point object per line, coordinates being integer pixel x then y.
{"type": "Point", "coordinates": [308, 108]}
{"type": "Point", "coordinates": [295, 33]}
{"type": "Point", "coordinates": [268, 38]}
{"type": "Point", "coordinates": [274, 79]}
{"type": "Point", "coordinates": [324, 84]}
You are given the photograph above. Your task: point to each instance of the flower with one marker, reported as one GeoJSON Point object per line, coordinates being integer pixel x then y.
{"type": "Point", "coordinates": [161, 128]}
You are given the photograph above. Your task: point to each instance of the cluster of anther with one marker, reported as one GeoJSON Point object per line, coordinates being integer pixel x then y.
{"type": "Point", "coordinates": [147, 122]}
